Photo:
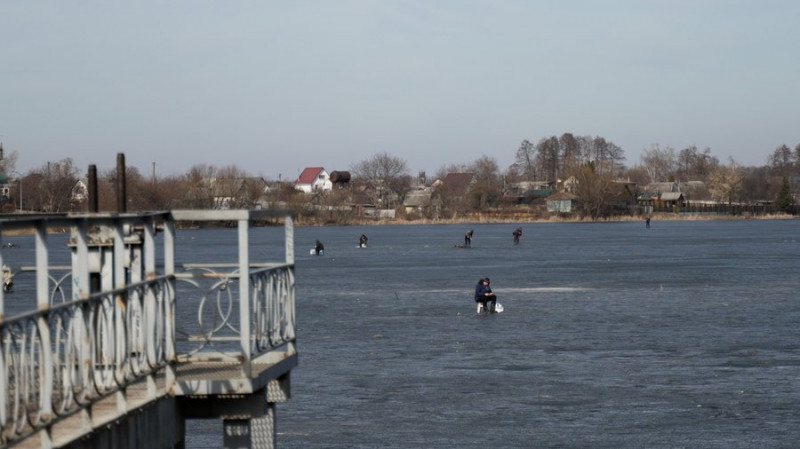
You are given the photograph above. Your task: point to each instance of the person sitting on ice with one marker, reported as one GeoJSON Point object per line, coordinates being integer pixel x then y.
{"type": "Point", "coordinates": [484, 295]}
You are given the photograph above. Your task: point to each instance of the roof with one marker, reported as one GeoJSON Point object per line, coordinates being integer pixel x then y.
{"type": "Point", "coordinates": [671, 196]}
{"type": "Point", "coordinates": [458, 180]}
{"type": "Point", "coordinates": [417, 198]}
{"type": "Point", "coordinates": [562, 196]}
{"type": "Point", "coordinates": [662, 187]}
{"type": "Point", "coordinates": [308, 175]}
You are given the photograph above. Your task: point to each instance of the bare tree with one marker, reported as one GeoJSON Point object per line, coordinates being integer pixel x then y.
{"type": "Point", "coordinates": [547, 158]}
{"type": "Point", "coordinates": [168, 192]}
{"type": "Point", "coordinates": [525, 161]}
{"type": "Point", "coordinates": [594, 191]}
{"type": "Point", "coordinates": [487, 188]}
{"type": "Point", "coordinates": [725, 183]}
{"type": "Point", "coordinates": [695, 165]}
{"type": "Point", "coordinates": [8, 162]}
{"type": "Point", "coordinates": [107, 190]}
{"type": "Point", "coordinates": [637, 174]}
{"type": "Point", "coordinates": [759, 184]}
{"type": "Point", "coordinates": [782, 161]}
{"type": "Point", "coordinates": [570, 153]}
{"type": "Point", "coordinates": [587, 150]}
{"type": "Point", "coordinates": [200, 194]}
{"type": "Point", "coordinates": [139, 190]}
{"type": "Point", "coordinates": [51, 187]}
{"type": "Point", "coordinates": [660, 163]}
{"type": "Point", "coordinates": [614, 158]}
{"type": "Point", "coordinates": [230, 188]}
{"type": "Point", "coordinates": [154, 193]}
{"type": "Point", "coordinates": [606, 156]}
{"type": "Point", "coordinates": [387, 173]}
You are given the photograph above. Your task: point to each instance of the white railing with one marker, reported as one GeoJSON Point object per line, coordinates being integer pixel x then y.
{"type": "Point", "coordinates": [110, 321]}
{"type": "Point", "coordinates": [214, 298]}
{"type": "Point", "coordinates": [56, 361]}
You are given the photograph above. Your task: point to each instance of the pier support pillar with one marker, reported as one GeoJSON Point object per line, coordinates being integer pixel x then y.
{"type": "Point", "coordinates": [248, 420]}
{"type": "Point", "coordinates": [250, 433]}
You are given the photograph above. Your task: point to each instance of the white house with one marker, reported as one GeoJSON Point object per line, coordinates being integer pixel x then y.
{"type": "Point", "coordinates": [313, 178]}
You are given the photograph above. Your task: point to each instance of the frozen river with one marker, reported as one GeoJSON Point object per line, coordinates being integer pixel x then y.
{"type": "Point", "coordinates": [614, 335]}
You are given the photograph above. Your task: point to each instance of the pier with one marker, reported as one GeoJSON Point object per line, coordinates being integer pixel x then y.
{"type": "Point", "coordinates": [108, 342]}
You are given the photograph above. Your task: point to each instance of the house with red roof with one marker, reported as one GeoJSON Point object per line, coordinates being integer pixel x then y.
{"type": "Point", "coordinates": [313, 178]}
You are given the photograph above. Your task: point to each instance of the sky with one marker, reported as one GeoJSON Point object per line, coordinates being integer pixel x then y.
{"type": "Point", "coordinates": [272, 87]}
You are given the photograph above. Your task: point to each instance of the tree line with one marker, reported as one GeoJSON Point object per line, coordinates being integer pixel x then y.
{"type": "Point", "coordinates": [594, 164]}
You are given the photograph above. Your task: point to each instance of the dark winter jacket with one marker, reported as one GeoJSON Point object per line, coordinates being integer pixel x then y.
{"type": "Point", "coordinates": [480, 291]}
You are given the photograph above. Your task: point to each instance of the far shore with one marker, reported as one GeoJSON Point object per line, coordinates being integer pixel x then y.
{"type": "Point", "coordinates": [482, 219]}
{"type": "Point", "coordinates": [519, 220]}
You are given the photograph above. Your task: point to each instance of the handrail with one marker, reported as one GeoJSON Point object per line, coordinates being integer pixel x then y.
{"type": "Point", "coordinates": [96, 345]}
{"type": "Point", "coordinates": [70, 353]}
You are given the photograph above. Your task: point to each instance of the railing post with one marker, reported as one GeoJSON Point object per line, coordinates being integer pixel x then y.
{"type": "Point", "coordinates": [244, 294]}
{"type": "Point", "coordinates": [81, 288]}
{"type": "Point", "coordinates": [42, 296]}
{"type": "Point", "coordinates": [152, 319]}
{"type": "Point", "coordinates": [120, 304]}
{"type": "Point", "coordinates": [289, 239]}
{"type": "Point", "coordinates": [43, 303]}
{"type": "Point", "coordinates": [169, 307]}
{"type": "Point", "coordinates": [80, 269]}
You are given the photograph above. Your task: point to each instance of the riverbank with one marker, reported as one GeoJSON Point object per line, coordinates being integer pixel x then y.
{"type": "Point", "coordinates": [479, 219]}
{"type": "Point", "coordinates": [492, 219]}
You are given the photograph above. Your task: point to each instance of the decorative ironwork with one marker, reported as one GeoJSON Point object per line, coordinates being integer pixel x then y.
{"type": "Point", "coordinates": [82, 345]}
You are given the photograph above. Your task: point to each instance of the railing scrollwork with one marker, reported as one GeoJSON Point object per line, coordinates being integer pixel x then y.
{"type": "Point", "coordinates": [82, 343]}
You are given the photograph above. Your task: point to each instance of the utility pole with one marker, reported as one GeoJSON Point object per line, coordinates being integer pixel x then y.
{"type": "Point", "coordinates": [122, 194]}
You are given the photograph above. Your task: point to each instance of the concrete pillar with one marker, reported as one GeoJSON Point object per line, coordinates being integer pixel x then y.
{"type": "Point", "coordinates": [250, 433]}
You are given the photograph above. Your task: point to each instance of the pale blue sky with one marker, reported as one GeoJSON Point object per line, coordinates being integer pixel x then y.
{"type": "Point", "coordinates": [275, 86]}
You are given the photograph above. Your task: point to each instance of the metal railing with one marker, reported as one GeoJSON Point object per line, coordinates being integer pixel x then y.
{"type": "Point", "coordinates": [108, 320]}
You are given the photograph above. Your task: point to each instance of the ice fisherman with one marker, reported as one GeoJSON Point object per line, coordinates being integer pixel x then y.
{"type": "Point", "coordinates": [484, 295]}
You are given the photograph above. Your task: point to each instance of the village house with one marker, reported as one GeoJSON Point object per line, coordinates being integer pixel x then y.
{"type": "Point", "coordinates": [670, 200]}
{"type": "Point", "coordinates": [233, 193]}
{"type": "Point", "coordinates": [313, 179]}
{"type": "Point", "coordinates": [668, 195]}
{"type": "Point", "coordinates": [80, 191]}
{"type": "Point", "coordinates": [528, 191]}
{"type": "Point", "coordinates": [417, 201]}
{"type": "Point", "coordinates": [7, 204]}
{"type": "Point", "coordinates": [562, 203]}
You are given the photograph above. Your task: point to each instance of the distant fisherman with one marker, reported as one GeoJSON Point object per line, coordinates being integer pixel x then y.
{"type": "Point", "coordinates": [517, 234]}
{"type": "Point", "coordinates": [468, 238]}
